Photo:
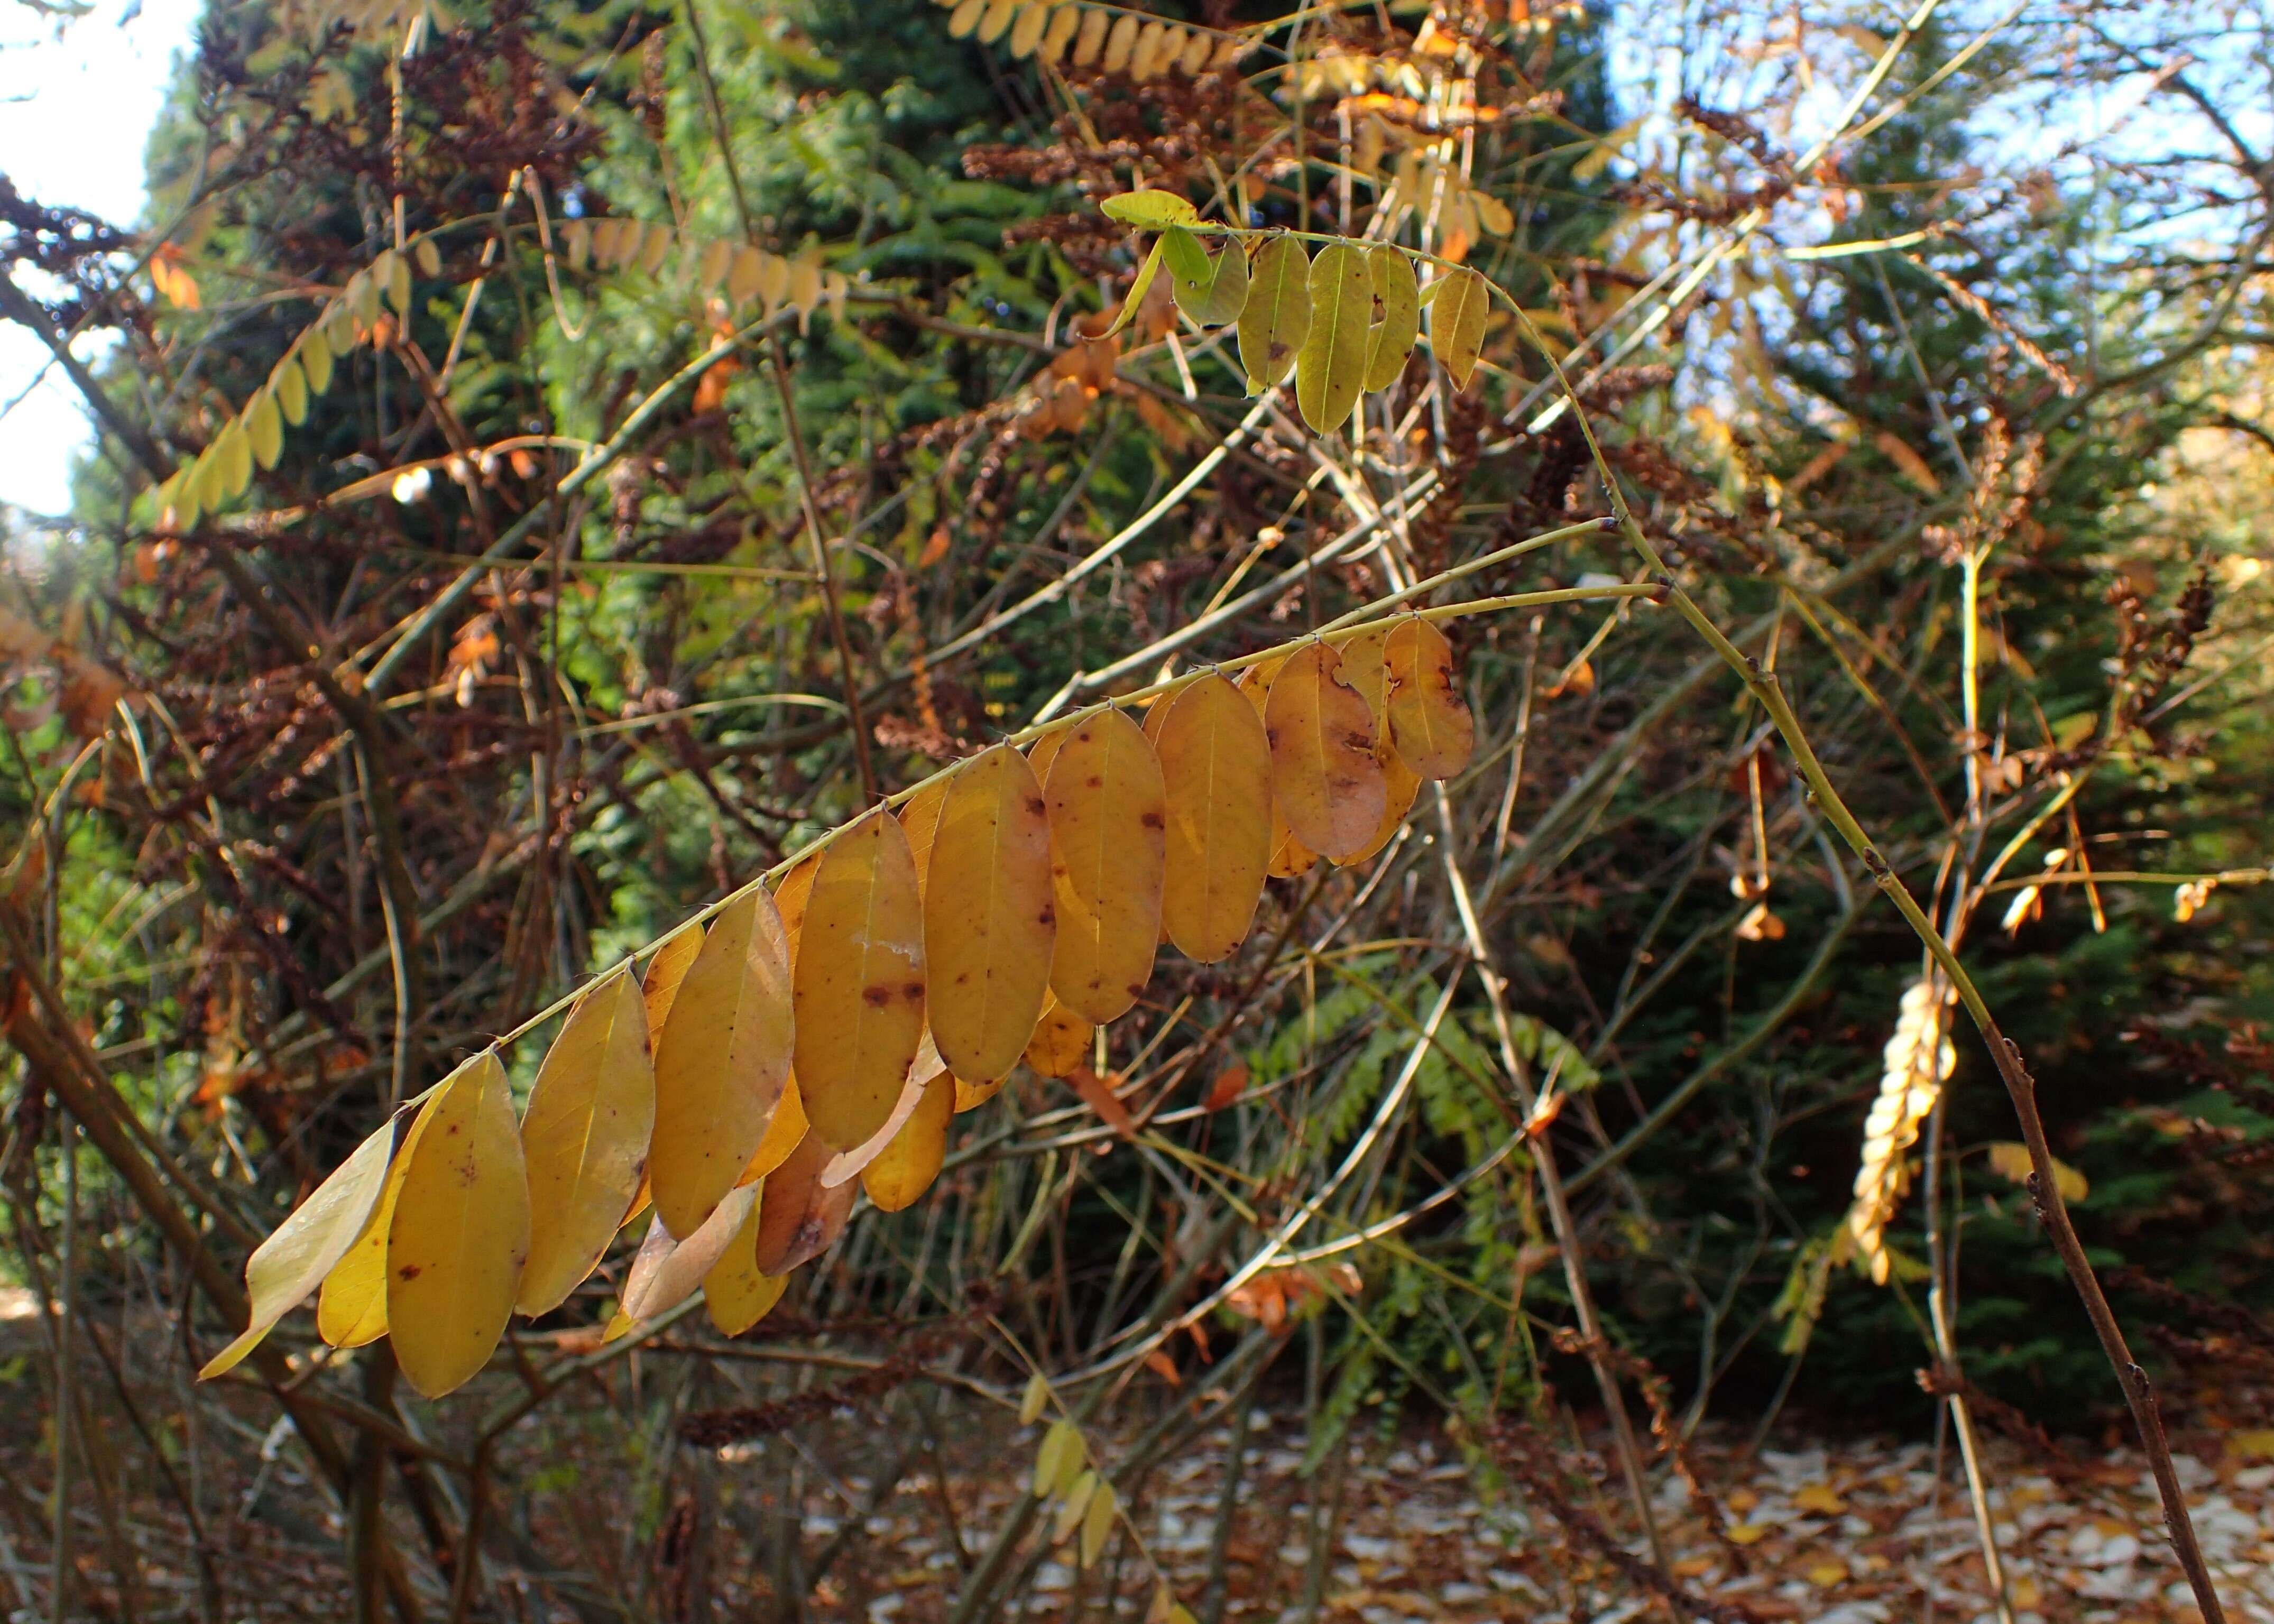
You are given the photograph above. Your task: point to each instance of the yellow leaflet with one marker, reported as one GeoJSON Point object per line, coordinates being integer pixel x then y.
{"type": "Point", "coordinates": [665, 1272]}
{"type": "Point", "coordinates": [782, 1134]}
{"type": "Point", "coordinates": [721, 1061]}
{"type": "Point", "coordinates": [1060, 1444]}
{"type": "Point", "coordinates": [1108, 821]}
{"type": "Point", "coordinates": [293, 1262]}
{"type": "Point", "coordinates": [1330, 370]}
{"type": "Point", "coordinates": [1211, 292]}
{"type": "Point", "coordinates": [971, 1096]}
{"type": "Point", "coordinates": [351, 1309]}
{"type": "Point", "coordinates": [664, 972]}
{"type": "Point", "coordinates": [459, 1232]}
{"type": "Point", "coordinates": [1290, 857]}
{"type": "Point", "coordinates": [799, 1218]}
{"type": "Point", "coordinates": [1323, 766]}
{"type": "Point", "coordinates": [1097, 1523]}
{"type": "Point", "coordinates": [1457, 324]}
{"type": "Point", "coordinates": [920, 822]}
{"type": "Point", "coordinates": [1276, 322]}
{"type": "Point", "coordinates": [991, 921]}
{"type": "Point", "coordinates": [1369, 679]}
{"type": "Point", "coordinates": [859, 982]}
{"type": "Point", "coordinates": [735, 1294]}
{"type": "Point", "coordinates": [1215, 762]}
{"type": "Point", "coordinates": [1076, 1503]}
{"type": "Point", "coordinates": [1390, 340]}
{"type": "Point", "coordinates": [907, 1165]}
{"type": "Point", "coordinates": [1429, 721]}
{"type": "Point", "coordinates": [585, 1138]}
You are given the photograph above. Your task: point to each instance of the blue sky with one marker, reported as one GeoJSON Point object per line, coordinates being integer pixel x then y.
{"type": "Point", "coordinates": [76, 107]}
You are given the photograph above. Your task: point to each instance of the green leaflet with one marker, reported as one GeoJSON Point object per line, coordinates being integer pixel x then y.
{"type": "Point", "coordinates": [1137, 291]}
{"type": "Point", "coordinates": [264, 429]}
{"type": "Point", "coordinates": [1211, 292]}
{"type": "Point", "coordinates": [1331, 367]}
{"type": "Point", "coordinates": [1276, 318]}
{"type": "Point", "coordinates": [1457, 324]}
{"type": "Point", "coordinates": [1390, 340]}
{"type": "Point", "coordinates": [1150, 210]}
{"type": "Point", "coordinates": [292, 386]}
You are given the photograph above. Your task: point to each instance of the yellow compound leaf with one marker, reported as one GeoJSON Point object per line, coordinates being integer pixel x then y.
{"type": "Point", "coordinates": [351, 1308]}
{"type": "Point", "coordinates": [1323, 767]}
{"type": "Point", "coordinates": [736, 1294]}
{"type": "Point", "coordinates": [783, 1133]}
{"type": "Point", "coordinates": [1457, 324]}
{"type": "Point", "coordinates": [584, 1138]}
{"type": "Point", "coordinates": [859, 981]}
{"type": "Point", "coordinates": [1429, 721]}
{"type": "Point", "coordinates": [990, 916]}
{"type": "Point", "coordinates": [665, 1272]}
{"type": "Point", "coordinates": [1060, 1040]}
{"type": "Point", "coordinates": [290, 1264]}
{"type": "Point", "coordinates": [459, 1232]}
{"type": "Point", "coordinates": [664, 972]}
{"type": "Point", "coordinates": [1276, 322]}
{"type": "Point", "coordinates": [799, 1217]}
{"type": "Point", "coordinates": [907, 1165]}
{"type": "Point", "coordinates": [1108, 820]}
{"type": "Point", "coordinates": [721, 1060]}
{"type": "Point", "coordinates": [1390, 340]}
{"type": "Point", "coordinates": [1215, 762]}
{"type": "Point", "coordinates": [1331, 367]}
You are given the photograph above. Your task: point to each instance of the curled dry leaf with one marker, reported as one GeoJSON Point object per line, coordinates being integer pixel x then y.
{"type": "Point", "coordinates": [1323, 744]}
{"type": "Point", "coordinates": [721, 1061]}
{"type": "Point", "coordinates": [290, 1264]}
{"type": "Point", "coordinates": [799, 1218]}
{"type": "Point", "coordinates": [665, 1272]}
{"type": "Point", "coordinates": [1098, 1093]}
{"type": "Point", "coordinates": [990, 920]}
{"type": "Point", "coordinates": [585, 1138]}
{"type": "Point", "coordinates": [1109, 850]}
{"type": "Point", "coordinates": [459, 1233]}
{"type": "Point", "coordinates": [847, 1165]}
{"type": "Point", "coordinates": [1215, 766]}
{"type": "Point", "coordinates": [859, 982]}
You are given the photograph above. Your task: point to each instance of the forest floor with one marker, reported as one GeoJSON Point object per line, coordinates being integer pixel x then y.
{"type": "Point", "coordinates": [600, 1499]}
